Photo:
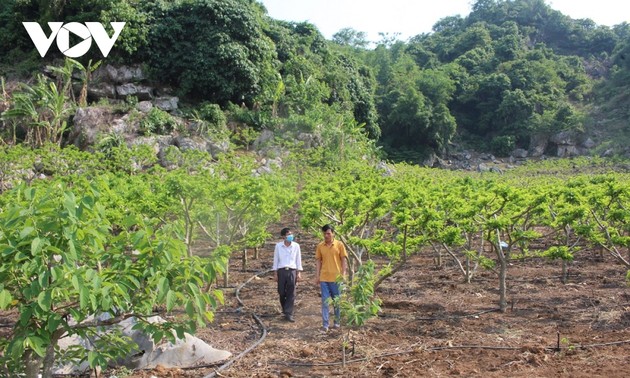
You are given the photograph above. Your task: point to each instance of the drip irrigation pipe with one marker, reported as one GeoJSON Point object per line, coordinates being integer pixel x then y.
{"type": "Point", "coordinates": [262, 327]}
{"type": "Point", "coordinates": [315, 364]}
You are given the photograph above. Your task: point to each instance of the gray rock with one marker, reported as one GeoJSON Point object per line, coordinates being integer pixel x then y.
{"type": "Point", "coordinates": [128, 74]}
{"type": "Point", "coordinates": [519, 153]}
{"type": "Point", "coordinates": [166, 103]}
{"type": "Point", "coordinates": [430, 161]}
{"type": "Point", "coordinates": [101, 90]}
{"type": "Point", "coordinates": [215, 148]}
{"type": "Point", "coordinates": [118, 75]}
{"type": "Point", "coordinates": [106, 74]}
{"type": "Point", "coordinates": [144, 106]}
{"type": "Point", "coordinates": [567, 151]}
{"type": "Point", "coordinates": [387, 170]}
{"type": "Point", "coordinates": [88, 124]}
{"type": "Point", "coordinates": [588, 143]}
{"type": "Point", "coordinates": [262, 171]}
{"type": "Point", "coordinates": [184, 353]}
{"type": "Point", "coordinates": [142, 92]}
{"type": "Point", "coordinates": [125, 125]}
{"type": "Point", "coordinates": [482, 167]}
{"type": "Point", "coordinates": [187, 144]}
{"type": "Point", "coordinates": [310, 140]}
{"type": "Point", "coordinates": [265, 137]}
{"type": "Point", "coordinates": [273, 152]}
{"type": "Point", "coordinates": [564, 138]}
{"type": "Point", "coordinates": [538, 144]}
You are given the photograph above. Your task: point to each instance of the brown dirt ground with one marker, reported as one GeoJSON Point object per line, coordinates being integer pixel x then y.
{"type": "Point", "coordinates": [433, 325]}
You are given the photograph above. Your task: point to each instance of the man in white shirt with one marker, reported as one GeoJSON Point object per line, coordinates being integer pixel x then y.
{"type": "Point", "coordinates": [287, 262]}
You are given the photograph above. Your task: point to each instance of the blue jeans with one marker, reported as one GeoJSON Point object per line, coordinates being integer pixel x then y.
{"type": "Point", "coordinates": [329, 289]}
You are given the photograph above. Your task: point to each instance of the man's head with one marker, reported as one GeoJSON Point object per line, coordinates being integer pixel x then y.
{"type": "Point", "coordinates": [286, 234]}
{"type": "Point", "coordinates": [329, 233]}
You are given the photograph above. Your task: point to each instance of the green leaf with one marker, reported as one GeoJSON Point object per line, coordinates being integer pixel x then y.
{"type": "Point", "coordinates": [157, 336]}
{"type": "Point", "coordinates": [53, 322]}
{"type": "Point", "coordinates": [219, 295]}
{"type": "Point", "coordinates": [92, 357]}
{"type": "Point", "coordinates": [36, 344]}
{"type": "Point", "coordinates": [36, 246]}
{"type": "Point", "coordinates": [70, 204]}
{"type": "Point", "coordinates": [27, 231]}
{"type": "Point", "coordinates": [56, 273]}
{"type": "Point", "coordinates": [106, 303]}
{"type": "Point", "coordinates": [84, 297]}
{"type": "Point", "coordinates": [190, 309]}
{"type": "Point", "coordinates": [44, 300]}
{"type": "Point", "coordinates": [5, 299]}
{"type": "Point", "coordinates": [163, 288]}
{"type": "Point", "coordinates": [171, 298]}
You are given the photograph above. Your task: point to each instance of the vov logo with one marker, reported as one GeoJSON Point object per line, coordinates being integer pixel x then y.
{"type": "Point", "coordinates": [89, 31]}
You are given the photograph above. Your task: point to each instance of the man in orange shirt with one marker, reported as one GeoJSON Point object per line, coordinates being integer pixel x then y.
{"type": "Point", "coordinates": [331, 259]}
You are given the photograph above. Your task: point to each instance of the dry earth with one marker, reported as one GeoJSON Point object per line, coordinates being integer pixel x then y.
{"type": "Point", "coordinates": [433, 325]}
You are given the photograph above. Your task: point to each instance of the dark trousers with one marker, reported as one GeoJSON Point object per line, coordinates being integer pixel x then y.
{"type": "Point", "coordinates": [287, 288]}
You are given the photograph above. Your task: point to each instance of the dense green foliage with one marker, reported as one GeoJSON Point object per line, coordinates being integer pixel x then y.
{"type": "Point", "coordinates": [510, 70]}
{"type": "Point", "coordinates": [107, 242]}
{"type": "Point", "coordinates": [211, 49]}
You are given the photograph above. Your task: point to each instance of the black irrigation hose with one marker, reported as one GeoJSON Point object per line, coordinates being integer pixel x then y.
{"type": "Point", "coordinates": [314, 364]}
{"type": "Point", "coordinates": [258, 321]}
{"type": "Point", "coordinates": [459, 316]}
{"type": "Point", "coordinates": [264, 335]}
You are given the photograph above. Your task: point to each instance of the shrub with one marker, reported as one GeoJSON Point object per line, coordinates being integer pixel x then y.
{"type": "Point", "coordinates": [157, 121]}
{"type": "Point", "coordinates": [503, 145]}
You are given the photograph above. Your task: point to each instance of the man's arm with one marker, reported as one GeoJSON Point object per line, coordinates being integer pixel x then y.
{"type": "Point", "coordinates": [318, 264]}
{"type": "Point", "coordinates": [298, 263]}
{"type": "Point", "coordinates": [275, 263]}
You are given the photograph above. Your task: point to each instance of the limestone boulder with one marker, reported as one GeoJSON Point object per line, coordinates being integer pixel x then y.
{"type": "Point", "coordinates": [89, 124]}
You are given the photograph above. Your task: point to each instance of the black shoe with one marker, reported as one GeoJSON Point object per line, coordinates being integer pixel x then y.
{"type": "Point", "coordinates": [289, 318]}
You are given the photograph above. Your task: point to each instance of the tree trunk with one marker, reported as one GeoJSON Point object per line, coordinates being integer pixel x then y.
{"type": "Point", "coordinates": [502, 257]}
{"type": "Point", "coordinates": [256, 253]}
{"type": "Point", "coordinates": [564, 271]}
{"type": "Point", "coordinates": [502, 283]}
{"type": "Point", "coordinates": [350, 262]}
{"type": "Point", "coordinates": [244, 259]}
{"type": "Point", "coordinates": [468, 274]}
{"type": "Point", "coordinates": [32, 364]}
{"type": "Point", "coordinates": [49, 361]}
{"type": "Point", "coordinates": [226, 275]}
{"type": "Point", "coordinates": [401, 263]}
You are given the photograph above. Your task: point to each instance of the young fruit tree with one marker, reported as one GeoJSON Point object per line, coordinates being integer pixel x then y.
{"type": "Point", "coordinates": [64, 266]}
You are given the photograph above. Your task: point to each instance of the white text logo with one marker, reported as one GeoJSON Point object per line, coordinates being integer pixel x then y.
{"type": "Point", "coordinates": [62, 32]}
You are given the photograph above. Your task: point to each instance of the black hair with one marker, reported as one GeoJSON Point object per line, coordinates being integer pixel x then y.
{"type": "Point", "coordinates": [327, 227]}
{"type": "Point", "coordinates": [285, 231]}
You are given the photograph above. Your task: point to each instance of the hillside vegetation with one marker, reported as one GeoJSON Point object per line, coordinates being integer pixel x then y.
{"type": "Point", "coordinates": [508, 73]}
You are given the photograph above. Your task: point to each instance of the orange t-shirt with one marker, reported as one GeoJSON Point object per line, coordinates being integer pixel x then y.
{"type": "Point", "coordinates": [330, 258]}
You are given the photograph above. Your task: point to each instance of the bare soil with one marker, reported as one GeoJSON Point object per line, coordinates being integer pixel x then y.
{"type": "Point", "coordinates": [432, 324]}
